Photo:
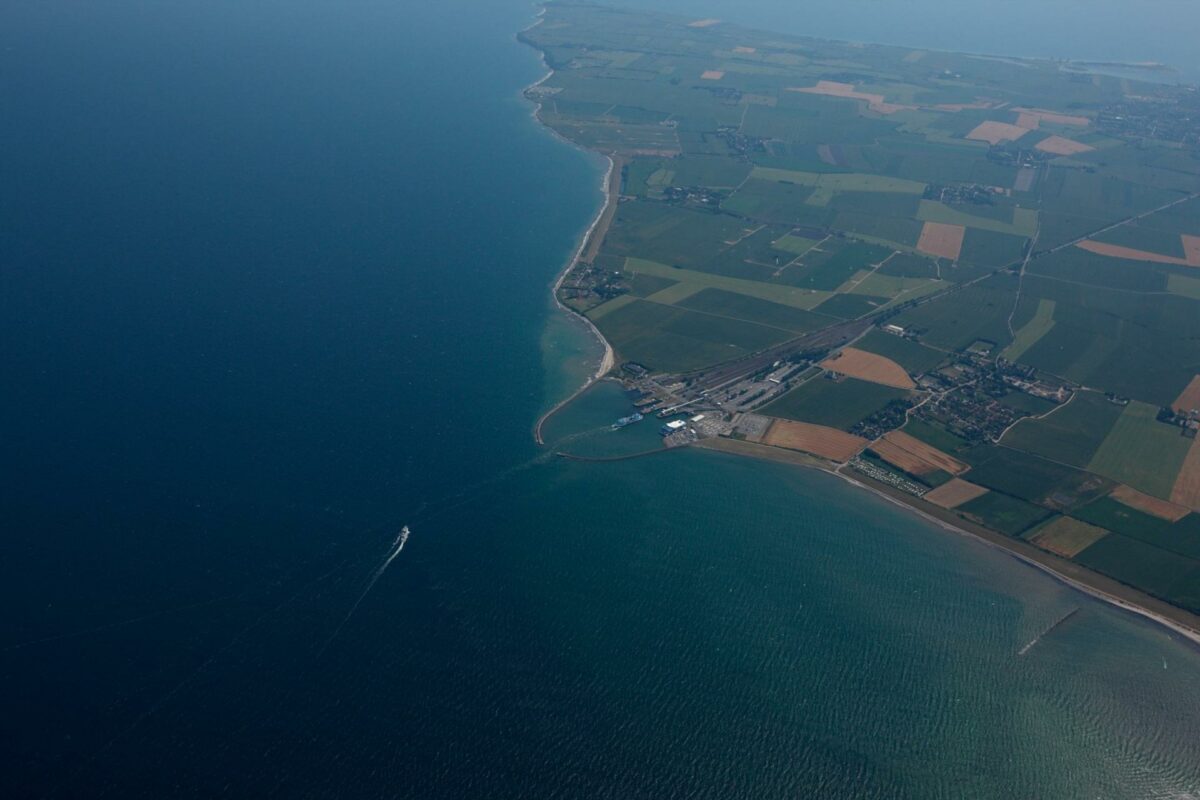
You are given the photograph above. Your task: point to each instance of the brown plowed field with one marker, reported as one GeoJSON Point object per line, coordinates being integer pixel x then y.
{"type": "Point", "coordinates": [928, 453]}
{"type": "Point", "coordinates": [941, 239]}
{"type": "Point", "coordinates": [953, 494]}
{"type": "Point", "coordinates": [1191, 249]}
{"type": "Point", "coordinates": [1060, 146]}
{"type": "Point", "coordinates": [875, 102]}
{"type": "Point", "coordinates": [1187, 484]}
{"type": "Point", "coordinates": [1189, 398]}
{"type": "Point", "coordinates": [899, 457]}
{"type": "Point", "coordinates": [816, 439]}
{"type": "Point", "coordinates": [869, 367]}
{"type": "Point", "coordinates": [914, 456]}
{"type": "Point", "coordinates": [1133, 254]}
{"type": "Point", "coordinates": [1127, 495]}
{"type": "Point", "coordinates": [1054, 117]}
{"type": "Point", "coordinates": [1028, 121]}
{"type": "Point", "coordinates": [712, 75]}
{"type": "Point", "coordinates": [744, 49]}
{"type": "Point", "coordinates": [1068, 537]}
{"type": "Point", "coordinates": [996, 132]}
{"type": "Point", "coordinates": [836, 89]}
{"type": "Point", "coordinates": [703, 23]}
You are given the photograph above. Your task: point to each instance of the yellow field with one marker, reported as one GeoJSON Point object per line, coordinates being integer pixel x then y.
{"type": "Point", "coordinates": [869, 367]}
{"type": "Point", "coordinates": [1068, 537]}
{"type": "Point", "coordinates": [1186, 491]}
{"type": "Point", "coordinates": [1127, 495]}
{"type": "Point", "coordinates": [1060, 146]}
{"type": "Point", "coordinates": [996, 132]}
{"type": "Point", "coordinates": [1189, 398]}
{"type": "Point", "coordinates": [816, 439]}
{"type": "Point", "coordinates": [954, 493]}
{"type": "Point", "coordinates": [941, 239]}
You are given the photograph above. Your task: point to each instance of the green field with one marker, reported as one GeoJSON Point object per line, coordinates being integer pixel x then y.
{"type": "Point", "coordinates": [604, 309]}
{"type": "Point", "coordinates": [796, 245]}
{"type": "Point", "coordinates": [935, 435]}
{"type": "Point", "coordinates": [646, 285]}
{"type": "Point", "coordinates": [893, 232]}
{"type": "Point", "coordinates": [675, 339]}
{"type": "Point", "coordinates": [670, 235]}
{"type": "Point", "coordinates": [721, 173]}
{"type": "Point", "coordinates": [897, 289]}
{"type": "Point", "coordinates": [1033, 406]}
{"type": "Point", "coordinates": [840, 182]}
{"type": "Point", "coordinates": [1006, 514]}
{"type": "Point", "coordinates": [1081, 267]}
{"type": "Point", "coordinates": [1182, 537]}
{"type": "Point", "coordinates": [753, 309]}
{"type": "Point", "coordinates": [838, 404]}
{"type": "Point", "coordinates": [1184, 286]}
{"type": "Point", "coordinates": [1151, 569]}
{"type": "Point", "coordinates": [1144, 237]}
{"type": "Point", "coordinates": [1139, 345]}
{"type": "Point", "coordinates": [1035, 479]}
{"type": "Point", "coordinates": [984, 248]}
{"type": "Point", "coordinates": [910, 265]}
{"type": "Point", "coordinates": [828, 270]}
{"type": "Point", "coordinates": [852, 306]}
{"type": "Point", "coordinates": [795, 297]}
{"type": "Point", "coordinates": [675, 294]}
{"type": "Point", "coordinates": [914, 357]}
{"type": "Point", "coordinates": [1142, 452]}
{"type": "Point", "coordinates": [955, 321]}
{"type": "Point", "coordinates": [771, 201]}
{"type": "Point", "coordinates": [1071, 434]}
{"type": "Point", "coordinates": [1033, 330]}
{"type": "Point", "coordinates": [1022, 221]}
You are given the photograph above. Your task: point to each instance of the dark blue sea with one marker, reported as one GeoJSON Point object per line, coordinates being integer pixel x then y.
{"type": "Point", "coordinates": [273, 286]}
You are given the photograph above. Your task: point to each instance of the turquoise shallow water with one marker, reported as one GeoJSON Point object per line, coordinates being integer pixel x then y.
{"type": "Point", "coordinates": [274, 286]}
{"type": "Point", "coordinates": [695, 625]}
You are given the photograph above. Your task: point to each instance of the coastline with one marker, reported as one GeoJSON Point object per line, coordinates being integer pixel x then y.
{"type": "Point", "coordinates": [1079, 583]}
{"type": "Point", "coordinates": [607, 359]}
{"type": "Point", "coordinates": [611, 193]}
{"type": "Point", "coordinates": [1081, 579]}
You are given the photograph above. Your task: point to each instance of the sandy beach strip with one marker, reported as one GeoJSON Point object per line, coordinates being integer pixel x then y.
{"type": "Point", "coordinates": [595, 232]}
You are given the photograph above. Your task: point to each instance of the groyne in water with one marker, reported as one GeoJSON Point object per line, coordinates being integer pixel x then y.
{"type": "Point", "coordinates": [1057, 623]}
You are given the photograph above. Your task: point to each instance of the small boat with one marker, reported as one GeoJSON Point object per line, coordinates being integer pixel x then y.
{"type": "Point", "coordinates": [623, 421]}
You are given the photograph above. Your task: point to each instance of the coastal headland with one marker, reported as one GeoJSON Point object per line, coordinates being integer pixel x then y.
{"type": "Point", "coordinates": [964, 284]}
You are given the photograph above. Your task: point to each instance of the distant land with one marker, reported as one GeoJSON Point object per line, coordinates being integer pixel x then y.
{"type": "Point", "coordinates": [968, 283]}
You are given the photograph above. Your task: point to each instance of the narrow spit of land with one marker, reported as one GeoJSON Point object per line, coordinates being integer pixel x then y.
{"type": "Point", "coordinates": [589, 246]}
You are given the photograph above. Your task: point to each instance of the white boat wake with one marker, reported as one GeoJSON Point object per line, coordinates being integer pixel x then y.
{"type": "Point", "coordinates": [397, 546]}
